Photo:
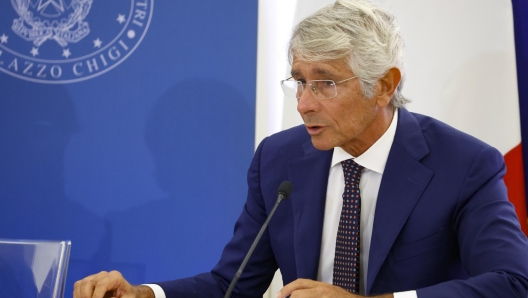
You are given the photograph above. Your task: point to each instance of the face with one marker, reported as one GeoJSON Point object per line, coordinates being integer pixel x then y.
{"type": "Point", "coordinates": [348, 120]}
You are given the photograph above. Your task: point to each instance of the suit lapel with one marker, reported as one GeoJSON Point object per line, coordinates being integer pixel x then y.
{"type": "Point", "coordinates": [309, 177]}
{"type": "Point", "coordinates": [404, 180]}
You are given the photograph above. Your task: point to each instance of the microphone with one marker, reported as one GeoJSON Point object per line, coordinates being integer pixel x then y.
{"type": "Point", "coordinates": [283, 192]}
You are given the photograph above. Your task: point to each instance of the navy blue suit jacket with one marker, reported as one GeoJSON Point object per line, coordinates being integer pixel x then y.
{"type": "Point", "coordinates": [443, 225]}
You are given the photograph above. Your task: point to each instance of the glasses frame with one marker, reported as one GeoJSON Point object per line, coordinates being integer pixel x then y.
{"type": "Point", "coordinates": [312, 87]}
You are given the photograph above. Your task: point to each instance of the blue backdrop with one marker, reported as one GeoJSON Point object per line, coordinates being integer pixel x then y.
{"type": "Point", "coordinates": [128, 130]}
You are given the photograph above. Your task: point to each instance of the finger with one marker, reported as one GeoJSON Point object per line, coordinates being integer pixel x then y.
{"type": "Point", "coordinates": [77, 289]}
{"type": "Point", "coordinates": [87, 285]}
{"type": "Point", "coordinates": [82, 284]}
{"type": "Point", "coordinates": [85, 288]}
{"type": "Point", "coordinates": [307, 293]}
{"type": "Point", "coordinates": [298, 284]}
{"type": "Point", "coordinates": [323, 291]}
{"type": "Point", "coordinates": [110, 282]}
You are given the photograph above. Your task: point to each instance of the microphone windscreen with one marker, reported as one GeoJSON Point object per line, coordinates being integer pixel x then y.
{"type": "Point", "coordinates": [285, 189]}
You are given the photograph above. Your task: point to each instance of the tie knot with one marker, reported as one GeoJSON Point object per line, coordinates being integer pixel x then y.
{"type": "Point", "coordinates": [350, 167]}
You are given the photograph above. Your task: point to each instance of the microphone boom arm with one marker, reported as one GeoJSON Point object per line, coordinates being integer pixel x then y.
{"type": "Point", "coordinates": [284, 191]}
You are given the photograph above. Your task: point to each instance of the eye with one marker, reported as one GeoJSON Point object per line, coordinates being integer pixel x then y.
{"type": "Point", "coordinates": [329, 83]}
{"type": "Point", "coordinates": [302, 81]}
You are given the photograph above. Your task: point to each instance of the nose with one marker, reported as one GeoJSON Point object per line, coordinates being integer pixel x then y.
{"type": "Point", "coordinates": [307, 102]}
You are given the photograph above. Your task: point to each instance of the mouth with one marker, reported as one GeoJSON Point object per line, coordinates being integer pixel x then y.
{"type": "Point", "coordinates": [314, 129]}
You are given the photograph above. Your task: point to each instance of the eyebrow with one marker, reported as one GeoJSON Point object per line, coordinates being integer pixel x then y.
{"type": "Point", "coordinates": [317, 71]}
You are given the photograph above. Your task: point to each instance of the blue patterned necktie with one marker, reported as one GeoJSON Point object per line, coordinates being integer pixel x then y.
{"type": "Point", "coordinates": [346, 260]}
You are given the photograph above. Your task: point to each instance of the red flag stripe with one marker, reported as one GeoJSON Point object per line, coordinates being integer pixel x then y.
{"type": "Point", "coordinates": [514, 180]}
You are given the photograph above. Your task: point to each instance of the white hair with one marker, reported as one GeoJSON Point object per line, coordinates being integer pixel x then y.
{"type": "Point", "coordinates": [363, 34]}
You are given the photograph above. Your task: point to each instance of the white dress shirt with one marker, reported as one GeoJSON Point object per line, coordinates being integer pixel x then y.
{"type": "Point", "coordinates": [373, 160]}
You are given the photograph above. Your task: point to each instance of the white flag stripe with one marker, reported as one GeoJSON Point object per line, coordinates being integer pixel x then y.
{"type": "Point", "coordinates": [461, 65]}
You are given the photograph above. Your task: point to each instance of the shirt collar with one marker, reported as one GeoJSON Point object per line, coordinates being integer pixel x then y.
{"type": "Point", "coordinates": [376, 156]}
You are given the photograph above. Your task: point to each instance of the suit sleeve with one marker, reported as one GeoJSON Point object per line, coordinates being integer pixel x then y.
{"type": "Point", "coordinates": [493, 249]}
{"type": "Point", "coordinates": [262, 265]}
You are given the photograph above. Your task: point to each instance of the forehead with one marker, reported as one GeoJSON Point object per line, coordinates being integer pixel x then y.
{"type": "Point", "coordinates": [331, 67]}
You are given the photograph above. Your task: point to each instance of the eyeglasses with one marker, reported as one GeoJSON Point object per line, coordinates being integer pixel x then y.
{"type": "Point", "coordinates": [322, 89]}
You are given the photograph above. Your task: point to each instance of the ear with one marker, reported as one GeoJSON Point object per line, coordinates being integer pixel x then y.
{"type": "Point", "coordinates": [386, 87]}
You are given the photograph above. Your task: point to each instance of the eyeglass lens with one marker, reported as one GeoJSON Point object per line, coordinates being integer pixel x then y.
{"type": "Point", "coordinates": [320, 88]}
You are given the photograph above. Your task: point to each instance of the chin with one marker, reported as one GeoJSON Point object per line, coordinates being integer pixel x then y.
{"type": "Point", "coordinates": [323, 146]}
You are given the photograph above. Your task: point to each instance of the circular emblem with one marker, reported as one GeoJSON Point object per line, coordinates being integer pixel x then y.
{"type": "Point", "coordinates": [66, 41]}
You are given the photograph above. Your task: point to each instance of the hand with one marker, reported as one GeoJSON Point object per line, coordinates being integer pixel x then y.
{"type": "Point", "coordinates": [109, 284]}
{"type": "Point", "coordinates": [305, 288]}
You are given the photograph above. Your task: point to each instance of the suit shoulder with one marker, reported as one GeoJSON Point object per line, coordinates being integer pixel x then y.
{"type": "Point", "coordinates": [437, 132]}
{"type": "Point", "coordinates": [289, 139]}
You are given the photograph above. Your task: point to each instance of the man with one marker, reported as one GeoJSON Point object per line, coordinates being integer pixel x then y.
{"type": "Point", "coordinates": [385, 202]}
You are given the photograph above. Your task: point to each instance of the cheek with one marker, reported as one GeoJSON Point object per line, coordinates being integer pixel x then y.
{"type": "Point", "coordinates": [351, 120]}
{"type": "Point", "coordinates": [345, 118]}
{"type": "Point", "coordinates": [348, 128]}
